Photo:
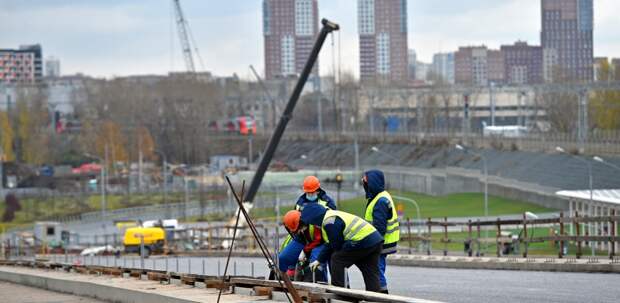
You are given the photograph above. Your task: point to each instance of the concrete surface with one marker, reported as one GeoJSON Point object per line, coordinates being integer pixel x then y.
{"type": "Point", "coordinates": [115, 289]}
{"type": "Point", "coordinates": [449, 284]}
{"type": "Point", "coordinates": [15, 293]}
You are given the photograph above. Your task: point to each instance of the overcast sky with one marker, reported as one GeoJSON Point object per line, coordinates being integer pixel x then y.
{"type": "Point", "coordinates": [113, 37]}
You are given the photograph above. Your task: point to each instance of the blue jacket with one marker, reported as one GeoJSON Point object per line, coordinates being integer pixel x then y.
{"type": "Point", "coordinates": [382, 211]}
{"type": "Point", "coordinates": [302, 201]}
{"type": "Point", "coordinates": [314, 214]}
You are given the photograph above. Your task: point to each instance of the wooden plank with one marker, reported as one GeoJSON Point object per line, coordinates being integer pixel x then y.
{"type": "Point", "coordinates": [343, 293]}
{"type": "Point", "coordinates": [263, 291]}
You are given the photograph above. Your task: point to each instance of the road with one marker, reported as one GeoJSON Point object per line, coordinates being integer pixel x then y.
{"type": "Point", "coordinates": [14, 293]}
{"type": "Point", "coordinates": [449, 285]}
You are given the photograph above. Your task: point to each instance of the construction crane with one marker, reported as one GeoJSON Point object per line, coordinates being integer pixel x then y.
{"type": "Point", "coordinates": [184, 35]}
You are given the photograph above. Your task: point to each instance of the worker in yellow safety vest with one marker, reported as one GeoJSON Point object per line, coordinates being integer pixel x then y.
{"type": "Point", "coordinates": [305, 244]}
{"type": "Point", "coordinates": [349, 240]}
{"type": "Point", "coordinates": [381, 213]}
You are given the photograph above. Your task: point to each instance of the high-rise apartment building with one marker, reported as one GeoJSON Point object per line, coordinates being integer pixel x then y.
{"type": "Point", "coordinates": [478, 66]}
{"type": "Point", "coordinates": [23, 65]}
{"type": "Point", "coordinates": [289, 29]}
{"type": "Point", "coordinates": [523, 63]}
{"type": "Point", "coordinates": [567, 28]}
{"type": "Point", "coordinates": [382, 26]}
{"type": "Point", "coordinates": [443, 67]}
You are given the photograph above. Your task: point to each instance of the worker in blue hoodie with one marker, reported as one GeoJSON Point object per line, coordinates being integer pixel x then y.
{"type": "Point", "coordinates": [349, 240]}
{"type": "Point", "coordinates": [381, 213]}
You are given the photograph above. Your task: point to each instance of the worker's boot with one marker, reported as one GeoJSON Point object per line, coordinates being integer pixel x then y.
{"type": "Point", "coordinates": [384, 291]}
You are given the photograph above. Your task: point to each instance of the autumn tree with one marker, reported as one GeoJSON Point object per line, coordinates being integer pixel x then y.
{"type": "Point", "coordinates": [605, 104]}
{"type": "Point", "coordinates": [6, 137]}
{"type": "Point", "coordinates": [33, 128]}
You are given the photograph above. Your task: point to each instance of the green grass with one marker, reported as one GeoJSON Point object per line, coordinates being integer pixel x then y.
{"type": "Point", "coordinates": [453, 205]}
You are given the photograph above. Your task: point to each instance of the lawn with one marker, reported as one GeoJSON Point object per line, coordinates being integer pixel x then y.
{"type": "Point", "coordinates": [453, 205]}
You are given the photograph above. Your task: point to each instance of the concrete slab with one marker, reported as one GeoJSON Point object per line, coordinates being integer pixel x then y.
{"type": "Point", "coordinates": [122, 290]}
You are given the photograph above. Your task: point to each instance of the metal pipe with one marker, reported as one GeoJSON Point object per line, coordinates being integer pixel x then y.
{"type": "Point", "coordinates": [328, 27]}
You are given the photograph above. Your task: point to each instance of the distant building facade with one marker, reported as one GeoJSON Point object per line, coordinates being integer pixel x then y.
{"type": "Point", "coordinates": [382, 26]}
{"type": "Point", "coordinates": [23, 65]}
{"type": "Point", "coordinates": [615, 65]}
{"type": "Point", "coordinates": [443, 66]}
{"type": "Point", "coordinates": [52, 67]}
{"type": "Point", "coordinates": [523, 63]}
{"type": "Point", "coordinates": [567, 28]}
{"type": "Point", "coordinates": [289, 30]}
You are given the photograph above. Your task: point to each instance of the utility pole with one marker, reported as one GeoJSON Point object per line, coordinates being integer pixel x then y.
{"type": "Point", "coordinates": [582, 127]}
{"type": "Point", "coordinates": [319, 108]}
{"type": "Point", "coordinates": [492, 103]}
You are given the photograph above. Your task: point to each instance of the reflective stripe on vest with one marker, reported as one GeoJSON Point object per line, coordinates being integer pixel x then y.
{"type": "Point", "coordinates": [355, 229]}
{"type": "Point", "coordinates": [392, 232]}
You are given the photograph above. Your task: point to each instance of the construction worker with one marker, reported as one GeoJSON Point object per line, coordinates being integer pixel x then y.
{"type": "Point", "coordinates": [349, 240]}
{"type": "Point", "coordinates": [381, 213]}
{"type": "Point", "coordinates": [305, 244]}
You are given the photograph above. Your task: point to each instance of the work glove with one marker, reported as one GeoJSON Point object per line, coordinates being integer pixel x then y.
{"type": "Point", "coordinates": [315, 265]}
{"type": "Point", "coordinates": [302, 256]}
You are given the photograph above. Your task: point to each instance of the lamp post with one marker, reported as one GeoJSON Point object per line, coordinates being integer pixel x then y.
{"type": "Point", "coordinates": [486, 176]}
{"type": "Point", "coordinates": [102, 183]}
{"type": "Point", "coordinates": [589, 164]}
{"type": "Point", "coordinates": [417, 208]}
{"type": "Point", "coordinates": [164, 177]}
{"type": "Point", "coordinates": [377, 150]}
{"type": "Point", "coordinates": [563, 151]}
{"type": "Point", "coordinates": [400, 174]}
{"type": "Point", "coordinates": [602, 161]}
{"type": "Point", "coordinates": [486, 182]}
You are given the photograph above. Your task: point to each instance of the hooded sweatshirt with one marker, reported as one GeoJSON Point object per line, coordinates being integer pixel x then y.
{"type": "Point", "coordinates": [314, 214]}
{"type": "Point", "coordinates": [311, 241]}
{"type": "Point", "coordinates": [382, 211]}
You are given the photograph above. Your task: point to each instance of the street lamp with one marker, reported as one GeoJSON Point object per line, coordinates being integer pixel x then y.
{"type": "Point", "coordinates": [486, 182]}
{"type": "Point", "coordinates": [589, 164]}
{"type": "Point", "coordinates": [417, 208]}
{"type": "Point", "coordinates": [377, 150]}
{"type": "Point", "coordinates": [486, 176]}
{"type": "Point", "coordinates": [602, 161]}
{"type": "Point", "coordinates": [164, 175]}
{"type": "Point", "coordinates": [103, 174]}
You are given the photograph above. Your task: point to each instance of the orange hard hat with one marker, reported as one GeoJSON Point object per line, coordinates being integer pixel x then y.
{"type": "Point", "coordinates": [291, 220]}
{"type": "Point", "coordinates": [311, 184]}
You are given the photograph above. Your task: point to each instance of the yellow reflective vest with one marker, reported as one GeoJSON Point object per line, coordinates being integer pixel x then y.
{"type": "Point", "coordinates": [392, 232]}
{"type": "Point", "coordinates": [356, 229]}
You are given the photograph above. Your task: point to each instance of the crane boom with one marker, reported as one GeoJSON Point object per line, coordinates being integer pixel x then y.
{"type": "Point", "coordinates": [182, 27]}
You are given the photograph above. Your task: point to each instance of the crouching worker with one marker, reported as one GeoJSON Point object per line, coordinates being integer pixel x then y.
{"type": "Point", "coordinates": [296, 252]}
{"type": "Point", "coordinates": [349, 240]}
{"type": "Point", "coordinates": [306, 244]}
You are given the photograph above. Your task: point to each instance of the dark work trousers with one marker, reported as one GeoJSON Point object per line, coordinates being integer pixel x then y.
{"type": "Point", "coordinates": [367, 260]}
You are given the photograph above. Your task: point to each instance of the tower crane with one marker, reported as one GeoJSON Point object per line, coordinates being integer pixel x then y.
{"type": "Point", "coordinates": [184, 35]}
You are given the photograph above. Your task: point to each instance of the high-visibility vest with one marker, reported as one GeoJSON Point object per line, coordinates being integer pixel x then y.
{"type": "Point", "coordinates": [355, 230]}
{"type": "Point", "coordinates": [392, 232]}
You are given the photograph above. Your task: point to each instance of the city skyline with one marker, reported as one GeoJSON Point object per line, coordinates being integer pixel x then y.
{"type": "Point", "coordinates": [134, 38]}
